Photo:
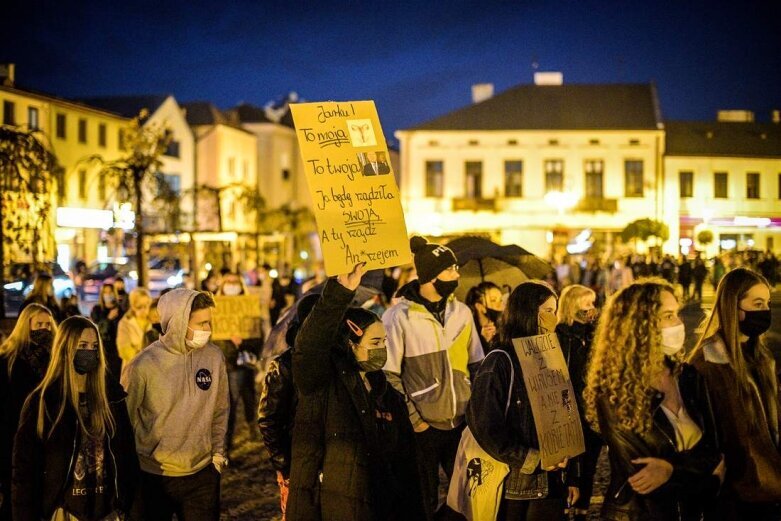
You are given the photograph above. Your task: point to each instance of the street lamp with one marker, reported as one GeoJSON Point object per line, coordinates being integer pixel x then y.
{"type": "Point", "coordinates": [561, 200]}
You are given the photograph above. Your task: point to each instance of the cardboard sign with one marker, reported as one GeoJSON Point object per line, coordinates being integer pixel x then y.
{"type": "Point", "coordinates": [354, 193]}
{"type": "Point", "coordinates": [236, 316]}
{"type": "Point", "coordinates": [552, 398]}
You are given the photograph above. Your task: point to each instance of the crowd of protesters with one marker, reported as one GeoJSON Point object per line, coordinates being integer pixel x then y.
{"type": "Point", "coordinates": [131, 413]}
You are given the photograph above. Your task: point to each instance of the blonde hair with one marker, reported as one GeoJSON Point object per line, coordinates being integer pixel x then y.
{"type": "Point", "coordinates": [137, 294]}
{"type": "Point", "coordinates": [723, 321]}
{"type": "Point", "coordinates": [569, 302]}
{"type": "Point", "coordinates": [627, 354]}
{"type": "Point", "coordinates": [20, 336]}
{"type": "Point", "coordinates": [61, 377]}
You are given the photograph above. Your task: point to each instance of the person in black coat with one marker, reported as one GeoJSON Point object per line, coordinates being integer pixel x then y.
{"type": "Point", "coordinates": [351, 454]}
{"type": "Point", "coordinates": [106, 314]}
{"type": "Point", "coordinates": [575, 331]}
{"type": "Point", "coordinates": [531, 493]}
{"type": "Point", "coordinates": [43, 294]}
{"type": "Point", "coordinates": [68, 459]}
{"type": "Point", "coordinates": [653, 413]}
{"type": "Point", "coordinates": [24, 357]}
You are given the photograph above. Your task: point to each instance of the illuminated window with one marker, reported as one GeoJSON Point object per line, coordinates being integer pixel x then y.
{"type": "Point", "coordinates": [554, 175]}
{"type": "Point", "coordinates": [720, 185]}
{"type": "Point", "coordinates": [595, 169]}
{"type": "Point", "coordinates": [474, 179]}
{"type": "Point", "coordinates": [513, 178]}
{"type": "Point", "coordinates": [752, 185]}
{"type": "Point", "coordinates": [633, 178]}
{"type": "Point", "coordinates": [686, 183]}
{"type": "Point", "coordinates": [32, 118]}
{"type": "Point", "coordinates": [434, 179]}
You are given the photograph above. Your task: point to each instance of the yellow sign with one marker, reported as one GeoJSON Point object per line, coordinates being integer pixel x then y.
{"type": "Point", "coordinates": [354, 193]}
{"type": "Point", "coordinates": [552, 398]}
{"type": "Point", "coordinates": [236, 316]}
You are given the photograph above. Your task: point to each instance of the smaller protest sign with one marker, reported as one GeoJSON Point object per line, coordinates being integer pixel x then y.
{"type": "Point", "coordinates": [236, 316]}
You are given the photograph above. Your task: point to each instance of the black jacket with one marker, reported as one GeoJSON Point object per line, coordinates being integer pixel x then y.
{"type": "Point", "coordinates": [692, 483]}
{"type": "Point", "coordinates": [351, 454]}
{"type": "Point", "coordinates": [42, 468]}
{"type": "Point", "coordinates": [276, 411]}
{"type": "Point", "coordinates": [511, 440]}
{"type": "Point", "coordinates": [575, 340]}
{"type": "Point", "coordinates": [108, 335]}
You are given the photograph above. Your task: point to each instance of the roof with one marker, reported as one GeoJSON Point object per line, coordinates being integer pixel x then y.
{"type": "Point", "coordinates": [203, 113]}
{"type": "Point", "coordinates": [247, 113]}
{"type": "Point", "coordinates": [727, 139]}
{"type": "Point", "coordinates": [23, 91]}
{"type": "Point", "coordinates": [127, 106]}
{"type": "Point", "coordinates": [558, 107]}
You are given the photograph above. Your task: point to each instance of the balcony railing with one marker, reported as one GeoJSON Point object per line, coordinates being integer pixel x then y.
{"type": "Point", "coordinates": [597, 204]}
{"type": "Point", "coordinates": [474, 204]}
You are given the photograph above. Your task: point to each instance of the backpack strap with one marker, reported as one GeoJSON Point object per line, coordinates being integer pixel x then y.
{"type": "Point", "coordinates": [512, 377]}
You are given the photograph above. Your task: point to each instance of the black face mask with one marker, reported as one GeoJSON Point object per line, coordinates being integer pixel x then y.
{"type": "Point", "coordinates": [85, 360]}
{"type": "Point", "coordinates": [493, 315]}
{"type": "Point", "coordinates": [755, 323]}
{"type": "Point", "coordinates": [42, 338]}
{"type": "Point", "coordinates": [445, 287]}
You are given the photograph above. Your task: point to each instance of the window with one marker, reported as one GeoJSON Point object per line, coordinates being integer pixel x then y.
{"type": "Point", "coordinates": [434, 179]}
{"type": "Point", "coordinates": [595, 169]}
{"type": "Point", "coordinates": [245, 170]}
{"type": "Point", "coordinates": [779, 186]}
{"type": "Point", "coordinates": [174, 182]}
{"type": "Point", "coordinates": [634, 142]}
{"type": "Point", "coordinates": [513, 178]}
{"type": "Point", "coordinates": [473, 142]}
{"type": "Point", "coordinates": [633, 178]}
{"type": "Point", "coordinates": [32, 118]}
{"type": "Point", "coordinates": [553, 142]}
{"type": "Point", "coordinates": [285, 174]}
{"type": "Point", "coordinates": [512, 141]}
{"type": "Point", "coordinates": [82, 184]}
{"type": "Point", "coordinates": [554, 175]}
{"type": "Point", "coordinates": [102, 135]}
{"type": "Point", "coordinates": [686, 183]}
{"type": "Point", "coordinates": [720, 185]}
{"type": "Point", "coordinates": [474, 179]}
{"type": "Point", "coordinates": [60, 124]}
{"type": "Point", "coordinates": [231, 167]}
{"type": "Point", "coordinates": [121, 138]}
{"type": "Point", "coordinates": [82, 131]}
{"type": "Point", "coordinates": [752, 185]}
{"type": "Point", "coordinates": [9, 109]}
{"type": "Point", "coordinates": [102, 186]}
{"type": "Point", "coordinates": [593, 141]}
{"type": "Point", "coordinates": [173, 149]}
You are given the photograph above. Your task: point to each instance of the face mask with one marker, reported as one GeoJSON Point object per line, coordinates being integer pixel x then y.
{"type": "Point", "coordinates": [231, 290]}
{"type": "Point", "coordinates": [85, 360]}
{"type": "Point", "coordinates": [376, 361]}
{"type": "Point", "coordinates": [200, 338]}
{"type": "Point", "coordinates": [42, 337]}
{"type": "Point", "coordinates": [673, 338]}
{"type": "Point", "coordinates": [547, 322]}
{"type": "Point", "coordinates": [445, 287]}
{"type": "Point", "coordinates": [109, 300]}
{"type": "Point", "coordinates": [493, 315]}
{"type": "Point", "coordinates": [755, 323]}
{"type": "Point", "coordinates": [587, 316]}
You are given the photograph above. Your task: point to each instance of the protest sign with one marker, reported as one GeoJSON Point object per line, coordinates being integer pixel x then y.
{"type": "Point", "coordinates": [552, 398]}
{"type": "Point", "coordinates": [236, 316]}
{"type": "Point", "coordinates": [354, 193]}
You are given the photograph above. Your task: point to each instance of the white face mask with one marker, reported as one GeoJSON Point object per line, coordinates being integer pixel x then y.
{"type": "Point", "coordinates": [673, 338]}
{"type": "Point", "coordinates": [200, 338]}
{"type": "Point", "coordinates": [231, 290]}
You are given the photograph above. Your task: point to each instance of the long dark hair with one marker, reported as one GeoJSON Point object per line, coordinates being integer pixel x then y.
{"type": "Point", "coordinates": [520, 317]}
{"type": "Point", "coordinates": [354, 325]}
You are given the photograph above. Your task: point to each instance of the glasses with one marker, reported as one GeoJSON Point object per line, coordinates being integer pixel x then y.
{"type": "Point", "coordinates": [454, 268]}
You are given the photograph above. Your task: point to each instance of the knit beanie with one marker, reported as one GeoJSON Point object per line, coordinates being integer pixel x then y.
{"type": "Point", "coordinates": [430, 259]}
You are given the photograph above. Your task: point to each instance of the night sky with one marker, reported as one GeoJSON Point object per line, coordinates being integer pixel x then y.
{"type": "Point", "coordinates": [417, 60]}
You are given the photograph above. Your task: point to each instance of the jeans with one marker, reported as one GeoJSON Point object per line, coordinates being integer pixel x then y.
{"type": "Point", "coordinates": [192, 498]}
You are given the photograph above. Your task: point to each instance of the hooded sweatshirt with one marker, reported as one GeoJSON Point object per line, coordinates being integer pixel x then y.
{"type": "Point", "coordinates": [177, 396]}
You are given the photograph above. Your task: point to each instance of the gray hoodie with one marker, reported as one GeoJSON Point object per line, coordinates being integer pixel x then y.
{"type": "Point", "coordinates": [177, 396]}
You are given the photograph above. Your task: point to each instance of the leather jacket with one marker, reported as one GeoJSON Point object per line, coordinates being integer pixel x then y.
{"type": "Point", "coordinates": [277, 410]}
{"type": "Point", "coordinates": [692, 484]}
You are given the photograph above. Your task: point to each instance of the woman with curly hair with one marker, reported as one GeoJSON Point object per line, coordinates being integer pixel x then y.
{"type": "Point", "coordinates": [652, 411]}
{"type": "Point", "coordinates": [740, 371]}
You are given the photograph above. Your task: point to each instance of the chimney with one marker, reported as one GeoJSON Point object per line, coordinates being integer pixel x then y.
{"type": "Point", "coordinates": [735, 116]}
{"type": "Point", "coordinates": [7, 74]}
{"type": "Point", "coordinates": [548, 78]}
{"type": "Point", "coordinates": [776, 116]}
{"type": "Point", "coordinates": [482, 92]}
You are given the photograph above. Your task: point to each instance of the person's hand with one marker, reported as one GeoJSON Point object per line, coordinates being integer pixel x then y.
{"type": "Point", "coordinates": [573, 494]}
{"type": "Point", "coordinates": [561, 465]}
{"type": "Point", "coordinates": [655, 474]}
{"type": "Point", "coordinates": [236, 340]}
{"type": "Point", "coordinates": [113, 314]}
{"type": "Point", "coordinates": [352, 280]}
{"type": "Point", "coordinates": [488, 331]}
{"type": "Point", "coordinates": [720, 470]}
{"type": "Point", "coordinates": [422, 427]}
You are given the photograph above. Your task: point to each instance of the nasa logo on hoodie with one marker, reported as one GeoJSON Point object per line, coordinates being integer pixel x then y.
{"type": "Point", "coordinates": [203, 379]}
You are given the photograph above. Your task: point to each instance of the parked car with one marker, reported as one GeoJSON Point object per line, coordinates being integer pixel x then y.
{"type": "Point", "coordinates": [164, 272]}
{"type": "Point", "coordinates": [21, 276]}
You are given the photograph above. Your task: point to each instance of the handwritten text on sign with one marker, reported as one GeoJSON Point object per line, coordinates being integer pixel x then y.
{"type": "Point", "coordinates": [355, 197]}
{"type": "Point", "coordinates": [552, 398]}
{"type": "Point", "coordinates": [236, 316]}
